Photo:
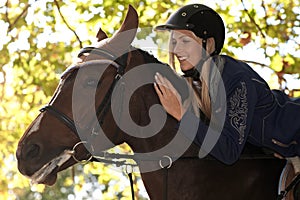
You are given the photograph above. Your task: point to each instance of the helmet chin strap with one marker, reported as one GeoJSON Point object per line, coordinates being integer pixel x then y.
{"type": "Point", "coordinates": [195, 71]}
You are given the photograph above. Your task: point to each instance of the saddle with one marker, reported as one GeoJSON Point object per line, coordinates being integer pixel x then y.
{"type": "Point", "coordinates": [289, 187]}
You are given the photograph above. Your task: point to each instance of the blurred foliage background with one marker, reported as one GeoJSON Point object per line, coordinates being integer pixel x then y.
{"type": "Point", "coordinates": [40, 38]}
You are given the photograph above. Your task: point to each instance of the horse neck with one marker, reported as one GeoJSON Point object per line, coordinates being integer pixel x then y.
{"type": "Point", "coordinates": [140, 105]}
{"type": "Point", "coordinates": [142, 100]}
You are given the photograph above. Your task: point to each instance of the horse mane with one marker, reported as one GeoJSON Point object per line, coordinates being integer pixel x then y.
{"type": "Point", "coordinates": [148, 57]}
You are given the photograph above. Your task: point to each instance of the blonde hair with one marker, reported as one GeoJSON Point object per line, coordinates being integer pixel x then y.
{"type": "Point", "coordinates": [209, 79]}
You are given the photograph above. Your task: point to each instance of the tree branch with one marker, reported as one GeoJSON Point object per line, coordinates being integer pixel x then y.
{"type": "Point", "coordinates": [66, 23]}
{"type": "Point", "coordinates": [6, 12]}
{"type": "Point", "coordinates": [254, 62]}
{"type": "Point", "coordinates": [252, 20]}
{"type": "Point", "coordinates": [3, 84]}
{"type": "Point", "coordinates": [11, 25]}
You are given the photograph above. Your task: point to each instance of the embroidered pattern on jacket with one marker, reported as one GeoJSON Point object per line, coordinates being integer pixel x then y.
{"type": "Point", "coordinates": [238, 111]}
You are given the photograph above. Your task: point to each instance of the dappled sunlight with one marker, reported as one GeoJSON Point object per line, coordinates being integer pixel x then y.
{"type": "Point", "coordinates": [40, 39]}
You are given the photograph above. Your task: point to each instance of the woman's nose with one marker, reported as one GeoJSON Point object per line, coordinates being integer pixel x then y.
{"type": "Point", "coordinates": [177, 49]}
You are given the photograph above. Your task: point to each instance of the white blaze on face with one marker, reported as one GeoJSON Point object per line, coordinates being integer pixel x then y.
{"type": "Point", "coordinates": [36, 125]}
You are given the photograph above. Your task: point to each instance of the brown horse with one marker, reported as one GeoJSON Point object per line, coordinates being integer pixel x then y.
{"type": "Point", "coordinates": [52, 142]}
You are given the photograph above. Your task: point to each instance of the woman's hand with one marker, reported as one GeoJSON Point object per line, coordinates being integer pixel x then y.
{"type": "Point", "coordinates": [169, 97]}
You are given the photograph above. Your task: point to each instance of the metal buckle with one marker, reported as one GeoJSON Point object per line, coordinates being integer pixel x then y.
{"type": "Point", "coordinates": [170, 162]}
{"type": "Point", "coordinates": [74, 152]}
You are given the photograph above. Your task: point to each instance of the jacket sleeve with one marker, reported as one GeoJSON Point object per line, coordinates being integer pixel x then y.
{"type": "Point", "coordinates": [226, 142]}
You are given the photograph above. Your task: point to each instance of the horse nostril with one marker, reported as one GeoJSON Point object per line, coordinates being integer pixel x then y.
{"type": "Point", "coordinates": [32, 151]}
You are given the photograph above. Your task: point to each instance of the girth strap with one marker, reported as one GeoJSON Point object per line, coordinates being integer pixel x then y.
{"type": "Point", "coordinates": [131, 185]}
{"type": "Point", "coordinates": [165, 183]}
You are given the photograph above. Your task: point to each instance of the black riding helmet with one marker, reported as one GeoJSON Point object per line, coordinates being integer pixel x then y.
{"type": "Point", "coordinates": [200, 19]}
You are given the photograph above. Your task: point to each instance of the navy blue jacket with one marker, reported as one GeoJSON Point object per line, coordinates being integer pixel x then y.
{"type": "Point", "coordinates": [255, 113]}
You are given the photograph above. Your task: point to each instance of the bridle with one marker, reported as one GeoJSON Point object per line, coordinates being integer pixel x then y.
{"type": "Point", "coordinates": [120, 64]}
{"type": "Point", "coordinates": [104, 105]}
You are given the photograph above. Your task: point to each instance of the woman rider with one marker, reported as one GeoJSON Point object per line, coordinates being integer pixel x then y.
{"type": "Point", "coordinates": [252, 111]}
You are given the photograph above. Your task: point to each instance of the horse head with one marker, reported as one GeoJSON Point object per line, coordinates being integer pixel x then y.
{"type": "Point", "coordinates": [49, 144]}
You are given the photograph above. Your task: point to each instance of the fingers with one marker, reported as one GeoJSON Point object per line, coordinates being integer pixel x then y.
{"type": "Point", "coordinates": [158, 91]}
{"type": "Point", "coordinates": [165, 86]}
{"type": "Point", "coordinates": [168, 96]}
{"type": "Point", "coordinates": [161, 80]}
{"type": "Point", "coordinates": [159, 83]}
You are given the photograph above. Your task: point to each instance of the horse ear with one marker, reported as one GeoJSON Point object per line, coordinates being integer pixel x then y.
{"type": "Point", "coordinates": [131, 20]}
{"type": "Point", "coordinates": [122, 39]}
{"type": "Point", "coordinates": [101, 35]}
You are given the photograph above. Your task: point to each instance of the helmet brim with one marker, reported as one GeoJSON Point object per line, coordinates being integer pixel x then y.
{"type": "Point", "coordinates": [169, 27]}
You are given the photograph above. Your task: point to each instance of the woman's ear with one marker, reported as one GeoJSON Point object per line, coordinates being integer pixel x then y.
{"type": "Point", "coordinates": [210, 48]}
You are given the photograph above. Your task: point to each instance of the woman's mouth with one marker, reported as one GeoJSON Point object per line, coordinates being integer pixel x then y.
{"type": "Point", "coordinates": [182, 58]}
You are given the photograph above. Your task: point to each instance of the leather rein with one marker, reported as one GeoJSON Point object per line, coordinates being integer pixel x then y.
{"type": "Point", "coordinates": [104, 157]}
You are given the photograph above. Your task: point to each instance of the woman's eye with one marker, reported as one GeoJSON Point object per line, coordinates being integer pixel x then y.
{"type": "Point", "coordinates": [174, 42]}
{"type": "Point", "coordinates": [185, 41]}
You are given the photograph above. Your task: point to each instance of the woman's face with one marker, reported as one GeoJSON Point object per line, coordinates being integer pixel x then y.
{"type": "Point", "coordinates": [187, 48]}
